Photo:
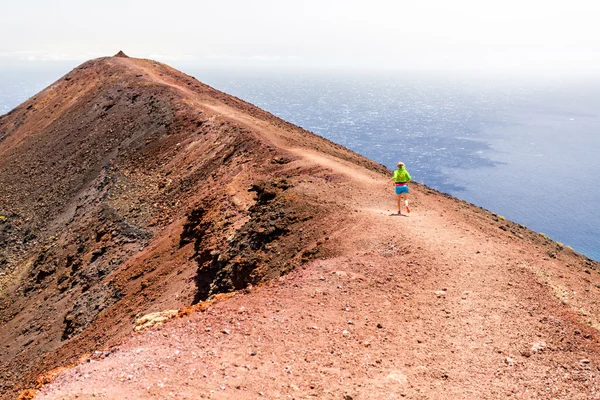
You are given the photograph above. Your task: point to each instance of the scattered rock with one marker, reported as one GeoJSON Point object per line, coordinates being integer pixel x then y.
{"type": "Point", "coordinates": [154, 319]}
{"type": "Point", "coordinates": [397, 377]}
{"type": "Point", "coordinates": [28, 394]}
{"type": "Point", "coordinates": [526, 353]}
{"type": "Point", "coordinates": [280, 160]}
{"type": "Point", "coordinates": [538, 347]}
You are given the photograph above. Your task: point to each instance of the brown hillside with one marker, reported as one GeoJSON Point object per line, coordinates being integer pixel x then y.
{"type": "Point", "coordinates": [129, 187]}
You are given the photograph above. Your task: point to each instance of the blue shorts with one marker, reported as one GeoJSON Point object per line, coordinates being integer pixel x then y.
{"type": "Point", "coordinates": [401, 189]}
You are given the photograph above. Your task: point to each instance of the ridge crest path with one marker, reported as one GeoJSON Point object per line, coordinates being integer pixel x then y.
{"type": "Point", "coordinates": [438, 305]}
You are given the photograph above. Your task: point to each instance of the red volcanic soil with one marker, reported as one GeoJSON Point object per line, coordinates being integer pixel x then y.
{"type": "Point", "coordinates": [130, 188]}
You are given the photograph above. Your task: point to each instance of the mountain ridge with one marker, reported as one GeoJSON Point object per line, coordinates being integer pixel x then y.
{"type": "Point", "coordinates": [130, 187]}
{"type": "Point", "coordinates": [89, 129]}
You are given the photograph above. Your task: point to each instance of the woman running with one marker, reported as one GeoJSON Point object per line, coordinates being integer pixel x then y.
{"type": "Point", "coordinates": [401, 178]}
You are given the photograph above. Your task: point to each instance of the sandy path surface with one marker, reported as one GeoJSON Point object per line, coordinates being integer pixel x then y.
{"type": "Point", "coordinates": [438, 305]}
{"type": "Point", "coordinates": [418, 307]}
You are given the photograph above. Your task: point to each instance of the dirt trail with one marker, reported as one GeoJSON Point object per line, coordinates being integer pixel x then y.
{"type": "Point", "coordinates": [263, 128]}
{"type": "Point", "coordinates": [438, 305]}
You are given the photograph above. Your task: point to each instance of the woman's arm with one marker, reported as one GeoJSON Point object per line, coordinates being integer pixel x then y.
{"type": "Point", "coordinates": [393, 176]}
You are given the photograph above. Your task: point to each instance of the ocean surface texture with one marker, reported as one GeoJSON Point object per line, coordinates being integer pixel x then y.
{"type": "Point", "coordinates": [522, 148]}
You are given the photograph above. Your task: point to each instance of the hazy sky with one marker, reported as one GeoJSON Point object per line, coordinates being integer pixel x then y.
{"type": "Point", "coordinates": [435, 34]}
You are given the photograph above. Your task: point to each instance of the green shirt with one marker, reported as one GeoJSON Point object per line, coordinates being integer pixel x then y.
{"type": "Point", "coordinates": [401, 175]}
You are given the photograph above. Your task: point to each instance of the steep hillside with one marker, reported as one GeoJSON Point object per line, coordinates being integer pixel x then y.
{"type": "Point", "coordinates": [129, 188]}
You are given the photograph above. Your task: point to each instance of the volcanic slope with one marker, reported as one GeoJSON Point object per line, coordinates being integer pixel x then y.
{"type": "Point", "coordinates": [125, 189]}
{"type": "Point", "coordinates": [129, 187]}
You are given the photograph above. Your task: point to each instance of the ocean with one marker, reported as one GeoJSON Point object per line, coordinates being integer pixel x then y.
{"type": "Point", "coordinates": [522, 148]}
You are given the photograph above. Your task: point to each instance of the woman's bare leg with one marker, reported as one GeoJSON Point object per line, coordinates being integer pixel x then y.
{"type": "Point", "coordinates": [405, 199]}
{"type": "Point", "coordinates": [399, 203]}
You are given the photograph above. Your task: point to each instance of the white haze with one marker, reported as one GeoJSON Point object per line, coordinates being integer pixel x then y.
{"type": "Point", "coordinates": [461, 35]}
